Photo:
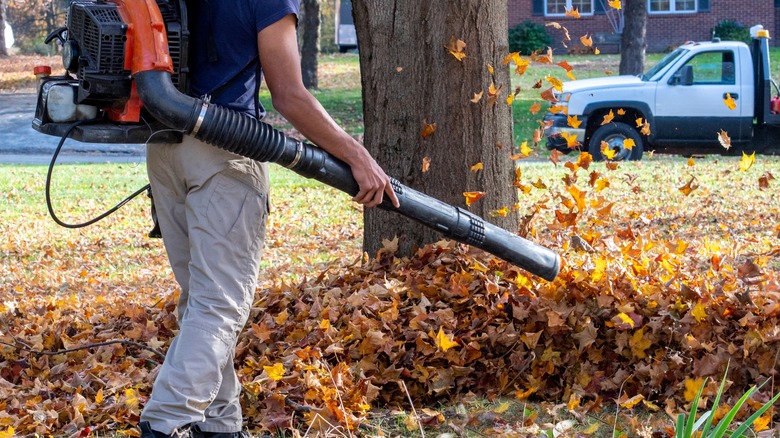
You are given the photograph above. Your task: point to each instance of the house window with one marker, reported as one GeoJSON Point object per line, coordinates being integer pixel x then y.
{"type": "Point", "coordinates": [559, 7]}
{"type": "Point", "coordinates": [666, 6]}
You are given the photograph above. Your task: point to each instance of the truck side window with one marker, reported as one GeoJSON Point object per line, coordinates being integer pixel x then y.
{"type": "Point", "coordinates": [713, 68]}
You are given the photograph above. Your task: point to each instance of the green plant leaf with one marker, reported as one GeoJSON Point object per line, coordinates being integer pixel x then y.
{"type": "Point", "coordinates": [716, 402]}
{"type": "Point", "coordinates": [743, 427]}
{"type": "Point", "coordinates": [689, 425]}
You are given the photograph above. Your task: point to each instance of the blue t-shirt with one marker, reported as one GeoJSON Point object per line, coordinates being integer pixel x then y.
{"type": "Point", "coordinates": [223, 47]}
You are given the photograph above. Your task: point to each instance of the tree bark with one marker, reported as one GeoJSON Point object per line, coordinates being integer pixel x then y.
{"type": "Point", "coordinates": [3, 8]}
{"type": "Point", "coordinates": [409, 79]}
{"type": "Point", "coordinates": [310, 42]}
{"type": "Point", "coordinates": [633, 43]}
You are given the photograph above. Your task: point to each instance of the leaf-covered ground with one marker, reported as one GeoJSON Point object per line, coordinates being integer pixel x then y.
{"type": "Point", "coordinates": [659, 290]}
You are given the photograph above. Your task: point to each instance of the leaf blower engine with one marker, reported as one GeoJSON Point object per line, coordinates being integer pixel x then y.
{"type": "Point", "coordinates": [126, 82]}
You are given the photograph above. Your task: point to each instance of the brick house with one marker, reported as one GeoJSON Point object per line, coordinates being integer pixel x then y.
{"type": "Point", "coordinates": [669, 22]}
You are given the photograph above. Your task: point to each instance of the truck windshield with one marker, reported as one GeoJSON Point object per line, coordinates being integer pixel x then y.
{"type": "Point", "coordinates": [650, 75]}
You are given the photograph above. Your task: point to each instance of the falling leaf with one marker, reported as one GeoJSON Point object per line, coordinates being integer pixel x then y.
{"type": "Point", "coordinates": [555, 156]}
{"type": "Point", "coordinates": [524, 149]}
{"type": "Point", "coordinates": [493, 93]}
{"type": "Point", "coordinates": [586, 40]}
{"type": "Point", "coordinates": [426, 164]}
{"type": "Point", "coordinates": [490, 69]}
{"type": "Point", "coordinates": [571, 139]}
{"type": "Point", "coordinates": [573, 12]}
{"type": "Point", "coordinates": [571, 76]}
{"type": "Point", "coordinates": [573, 122]}
{"type": "Point", "coordinates": [608, 72]}
{"type": "Point", "coordinates": [615, 4]}
{"type": "Point", "coordinates": [763, 180]}
{"type": "Point", "coordinates": [645, 128]}
{"type": "Point", "coordinates": [621, 112]}
{"type": "Point", "coordinates": [639, 122]}
{"type": "Point", "coordinates": [691, 163]}
{"type": "Point", "coordinates": [730, 102]}
{"type": "Point", "coordinates": [275, 372]}
{"type": "Point", "coordinates": [607, 151]}
{"type": "Point", "coordinates": [444, 342]}
{"type": "Point", "coordinates": [565, 65]}
{"type": "Point", "coordinates": [477, 97]}
{"type": "Point", "coordinates": [428, 129]}
{"type": "Point", "coordinates": [557, 84]}
{"type": "Point", "coordinates": [472, 197]}
{"type": "Point", "coordinates": [535, 108]}
{"type": "Point", "coordinates": [747, 161]}
{"type": "Point", "coordinates": [557, 109]}
{"type": "Point", "coordinates": [724, 139]}
{"type": "Point", "coordinates": [537, 84]}
{"type": "Point", "coordinates": [456, 47]}
{"type": "Point", "coordinates": [538, 134]}
{"type": "Point", "coordinates": [510, 99]}
{"type": "Point", "coordinates": [477, 167]}
{"type": "Point", "coordinates": [689, 187]}
{"type": "Point", "coordinates": [399, 69]}
{"type": "Point", "coordinates": [549, 95]}
{"type": "Point", "coordinates": [629, 143]}
{"type": "Point", "coordinates": [608, 117]}
{"type": "Point", "coordinates": [503, 211]}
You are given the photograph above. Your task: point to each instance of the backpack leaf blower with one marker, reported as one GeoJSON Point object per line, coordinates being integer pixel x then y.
{"type": "Point", "coordinates": [126, 63]}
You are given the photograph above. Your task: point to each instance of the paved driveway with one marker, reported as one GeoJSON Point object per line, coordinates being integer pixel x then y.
{"type": "Point", "coordinates": [21, 144]}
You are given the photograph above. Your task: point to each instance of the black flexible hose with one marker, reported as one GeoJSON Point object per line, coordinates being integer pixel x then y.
{"type": "Point", "coordinates": [48, 185]}
{"type": "Point", "coordinates": [248, 137]}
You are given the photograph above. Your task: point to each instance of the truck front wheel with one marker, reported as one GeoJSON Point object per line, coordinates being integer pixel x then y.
{"type": "Point", "coordinates": [615, 135]}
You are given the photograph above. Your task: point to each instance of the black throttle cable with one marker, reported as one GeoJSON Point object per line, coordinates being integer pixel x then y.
{"type": "Point", "coordinates": [48, 184]}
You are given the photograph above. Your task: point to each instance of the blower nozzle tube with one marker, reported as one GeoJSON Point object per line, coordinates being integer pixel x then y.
{"type": "Point", "coordinates": [248, 137]}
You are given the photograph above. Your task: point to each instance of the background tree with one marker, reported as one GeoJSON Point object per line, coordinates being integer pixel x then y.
{"type": "Point", "coordinates": [410, 79]}
{"type": "Point", "coordinates": [633, 43]}
{"type": "Point", "coordinates": [3, 8]}
{"type": "Point", "coordinates": [310, 41]}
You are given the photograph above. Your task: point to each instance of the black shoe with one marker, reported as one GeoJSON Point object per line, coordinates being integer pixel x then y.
{"type": "Point", "coordinates": [148, 432]}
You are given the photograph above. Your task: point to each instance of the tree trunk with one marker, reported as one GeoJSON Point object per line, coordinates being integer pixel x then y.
{"type": "Point", "coordinates": [3, 50]}
{"type": "Point", "coordinates": [310, 43]}
{"type": "Point", "coordinates": [633, 43]}
{"type": "Point", "coordinates": [410, 79]}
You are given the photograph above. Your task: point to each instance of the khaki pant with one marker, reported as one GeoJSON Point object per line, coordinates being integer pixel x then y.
{"type": "Point", "coordinates": [212, 207]}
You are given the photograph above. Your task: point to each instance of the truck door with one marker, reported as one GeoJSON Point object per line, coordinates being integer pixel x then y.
{"type": "Point", "coordinates": [693, 109]}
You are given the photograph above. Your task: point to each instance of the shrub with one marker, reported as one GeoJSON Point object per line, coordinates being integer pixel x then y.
{"type": "Point", "coordinates": [730, 30]}
{"type": "Point", "coordinates": [528, 37]}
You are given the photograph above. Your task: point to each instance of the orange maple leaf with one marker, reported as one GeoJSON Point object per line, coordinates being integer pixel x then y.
{"type": "Point", "coordinates": [689, 186]}
{"type": "Point", "coordinates": [472, 197]}
{"type": "Point", "coordinates": [549, 95]}
{"type": "Point", "coordinates": [573, 121]}
{"type": "Point", "coordinates": [586, 40]}
{"type": "Point", "coordinates": [428, 129]}
{"type": "Point", "coordinates": [535, 108]}
{"type": "Point", "coordinates": [556, 83]}
{"type": "Point", "coordinates": [573, 12]}
{"type": "Point", "coordinates": [608, 117]}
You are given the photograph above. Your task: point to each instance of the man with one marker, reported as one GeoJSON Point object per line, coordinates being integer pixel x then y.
{"type": "Point", "coordinates": [212, 206]}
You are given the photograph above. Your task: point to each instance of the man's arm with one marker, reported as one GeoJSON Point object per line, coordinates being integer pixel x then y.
{"type": "Point", "coordinates": [278, 50]}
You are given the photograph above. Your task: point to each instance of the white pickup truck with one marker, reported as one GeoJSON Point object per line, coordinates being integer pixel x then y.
{"type": "Point", "coordinates": [686, 100]}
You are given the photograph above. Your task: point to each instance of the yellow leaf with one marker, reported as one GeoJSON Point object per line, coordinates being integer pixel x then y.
{"type": "Point", "coordinates": [98, 397]}
{"type": "Point", "coordinates": [629, 143]}
{"type": "Point", "coordinates": [590, 430]}
{"type": "Point", "coordinates": [571, 139]}
{"type": "Point", "coordinates": [645, 128]}
{"type": "Point", "coordinates": [639, 122]}
{"type": "Point", "coordinates": [573, 122]}
{"type": "Point", "coordinates": [472, 197]}
{"type": "Point", "coordinates": [490, 69]}
{"type": "Point", "coordinates": [573, 12]}
{"type": "Point", "coordinates": [699, 312]}
{"type": "Point", "coordinates": [626, 319]}
{"type": "Point", "coordinates": [524, 149]}
{"type": "Point", "coordinates": [762, 423]}
{"type": "Point", "coordinates": [608, 152]}
{"type": "Point", "coordinates": [555, 83]}
{"type": "Point", "coordinates": [9, 433]}
{"type": "Point", "coordinates": [692, 388]}
{"type": "Point", "coordinates": [131, 398]}
{"type": "Point", "coordinates": [510, 99]}
{"type": "Point", "coordinates": [428, 129]}
{"type": "Point", "coordinates": [275, 372]}
{"type": "Point", "coordinates": [570, 74]}
{"type": "Point", "coordinates": [691, 163]}
{"type": "Point", "coordinates": [574, 401]}
{"type": "Point", "coordinates": [747, 161]}
{"type": "Point", "coordinates": [730, 102]}
{"type": "Point", "coordinates": [615, 4]}
{"type": "Point", "coordinates": [503, 407]}
{"type": "Point", "coordinates": [324, 324]}
{"type": "Point", "coordinates": [477, 167]}
{"type": "Point", "coordinates": [689, 186]}
{"type": "Point", "coordinates": [633, 401]}
{"type": "Point", "coordinates": [621, 112]}
{"type": "Point", "coordinates": [503, 211]}
{"type": "Point", "coordinates": [443, 341]}
{"type": "Point", "coordinates": [586, 40]}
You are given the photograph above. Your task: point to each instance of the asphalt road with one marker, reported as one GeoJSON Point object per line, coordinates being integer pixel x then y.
{"type": "Point", "coordinates": [21, 144]}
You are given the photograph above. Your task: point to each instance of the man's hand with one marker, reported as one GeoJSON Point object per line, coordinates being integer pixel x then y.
{"type": "Point", "coordinates": [373, 183]}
